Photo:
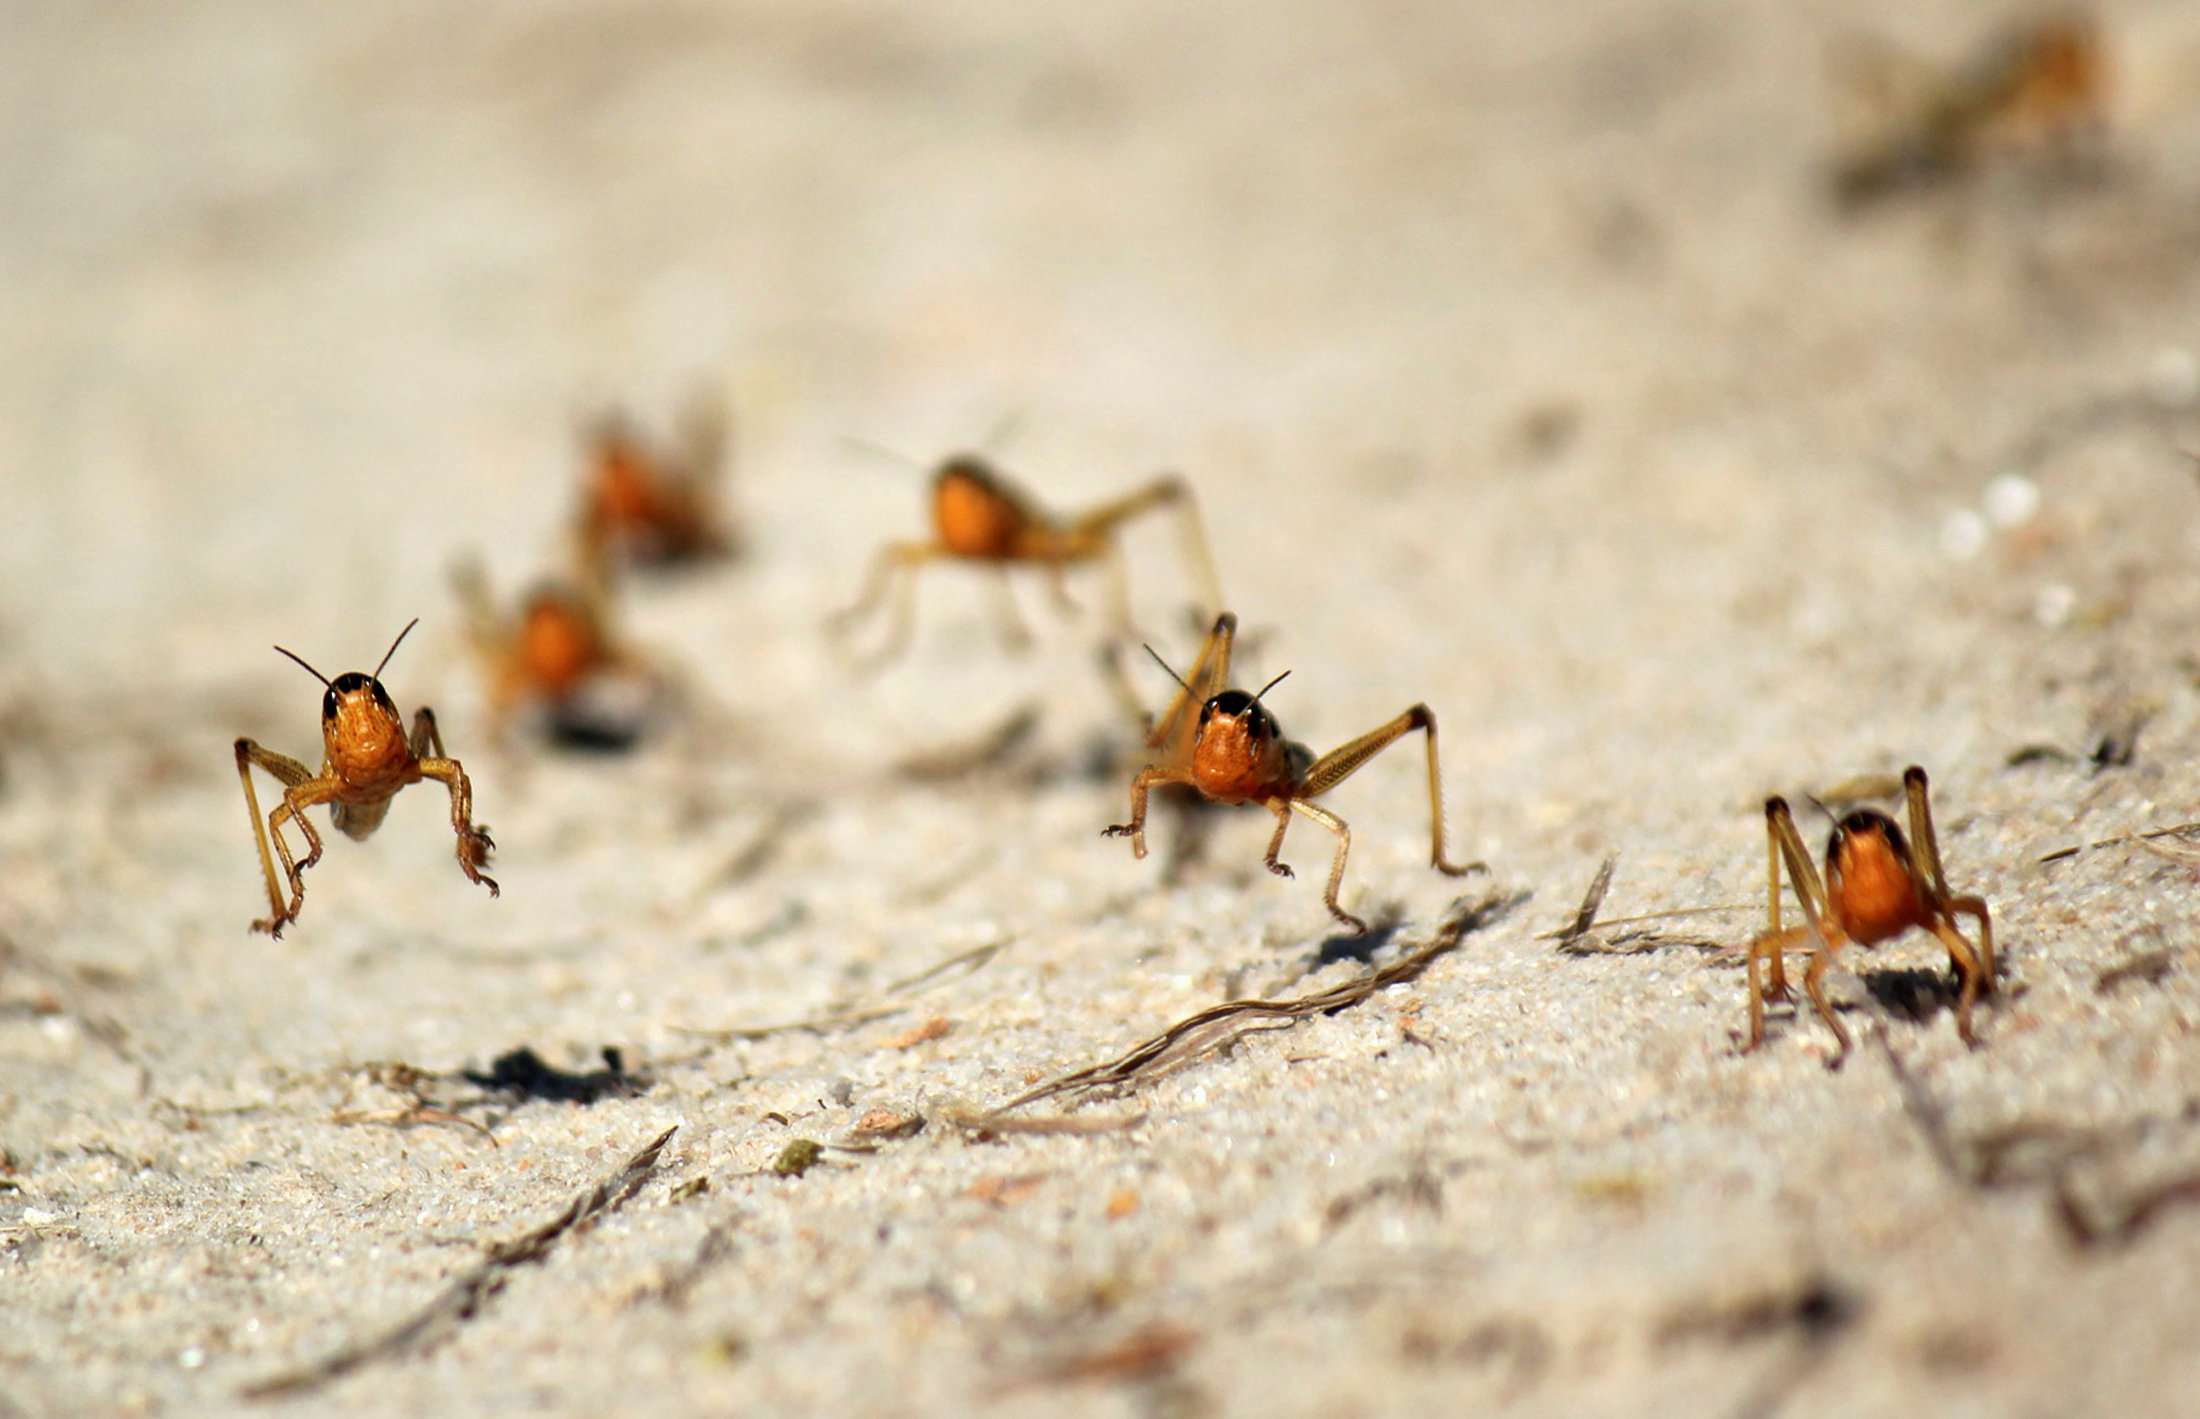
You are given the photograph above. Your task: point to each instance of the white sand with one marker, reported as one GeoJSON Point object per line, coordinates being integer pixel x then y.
{"type": "Point", "coordinates": [299, 304]}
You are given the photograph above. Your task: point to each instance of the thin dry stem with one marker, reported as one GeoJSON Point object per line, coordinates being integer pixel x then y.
{"type": "Point", "coordinates": [1197, 1034]}
{"type": "Point", "coordinates": [462, 1299]}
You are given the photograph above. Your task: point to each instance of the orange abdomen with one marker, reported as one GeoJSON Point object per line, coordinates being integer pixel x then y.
{"type": "Point", "coordinates": [2064, 79]}
{"type": "Point", "coordinates": [557, 647]}
{"type": "Point", "coordinates": [975, 520]}
{"type": "Point", "coordinates": [625, 493]}
{"type": "Point", "coordinates": [1878, 899]}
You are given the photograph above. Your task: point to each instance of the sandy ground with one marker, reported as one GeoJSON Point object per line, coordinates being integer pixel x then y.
{"type": "Point", "coordinates": [1523, 368]}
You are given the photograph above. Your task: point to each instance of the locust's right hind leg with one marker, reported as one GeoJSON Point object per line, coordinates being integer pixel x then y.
{"type": "Point", "coordinates": [301, 790]}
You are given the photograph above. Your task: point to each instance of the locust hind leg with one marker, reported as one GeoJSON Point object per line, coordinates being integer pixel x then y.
{"type": "Point", "coordinates": [1118, 679]}
{"type": "Point", "coordinates": [1976, 907]}
{"type": "Point", "coordinates": [486, 629]}
{"type": "Point", "coordinates": [1925, 845]}
{"type": "Point", "coordinates": [490, 635]}
{"type": "Point", "coordinates": [1098, 526]}
{"type": "Point", "coordinates": [1924, 842]}
{"type": "Point", "coordinates": [426, 739]}
{"type": "Point", "coordinates": [293, 808]}
{"type": "Point", "coordinates": [1178, 725]}
{"type": "Point", "coordinates": [1784, 844]}
{"type": "Point", "coordinates": [300, 791]}
{"type": "Point", "coordinates": [1343, 761]}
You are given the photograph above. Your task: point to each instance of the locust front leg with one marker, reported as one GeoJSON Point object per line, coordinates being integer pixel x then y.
{"type": "Point", "coordinates": [1281, 807]}
{"type": "Point", "coordinates": [1969, 971]}
{"type": "Point", "coordinates": [1814, 985]}
{"type": "Point", "coordinates": [1015, 636]}
{"type": "Point", "coordinates": [1135, 829]}
{"type": "Point", "coordinates": [1773, 945]}
{"type": "Point", "coordinates": [474, 842]}
{"type": "Point", "coordinates": [893, 569]}
{"type": "Point", "coordinates": [1336, 825]}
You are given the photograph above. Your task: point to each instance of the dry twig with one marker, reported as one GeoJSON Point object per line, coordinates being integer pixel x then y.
{"type": "Point", "coordinates": [1590, 902]}
{"type": "Point", "coordinates": [463, 1298]}
{"type": "Point", "coordinates": [1651, 916]}
{"type": "Point", "coordinates": [1197, 1034]}
{"type": "Point", "coordinates": [2180, 830]}
{"type": "Point", "coordinates": [858, 1013]}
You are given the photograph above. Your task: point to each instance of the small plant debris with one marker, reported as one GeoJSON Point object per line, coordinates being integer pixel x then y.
{"type": "Point", "coordinates": [2184, 832]}
{"type": "Point", "coordinates": [1591, 901]}
{"type": "Point", "coordinates": [413, 1107]}
{"type": "Point", "coordinates": [798, 1157]}
{"type": "Point", "coordinates": [1817, 1306]}
{"type": "Point", "coordinates": [2105, 1227]}
{"type": "Point", "coordinates": [930, 1030]}
{"type": "Point", "coordinates": [881, 1124]}
{"type": "Point", "coordinates": [1005, 1189]}
{"type": "Point", "coordinates": [2148, 967]}
{"type": "Point", "coordinates": [1148, 1353]}
{"type": "Point", "coordinates": [1577, 938]}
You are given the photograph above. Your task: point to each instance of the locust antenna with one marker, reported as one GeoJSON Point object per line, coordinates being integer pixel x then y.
{"type": "Point", "coordinates": [393, 647]}
{"type": "Point", "coordinates": [881, 451]}
{"type": "Point", "coordinates": [309, 669]}
{"type": "Point", "coordinates": [1005, 428]}
{"type": "Point", "coordinates": [1164, 665]}
{"type": "Point", "coordinates": [1271, 685]}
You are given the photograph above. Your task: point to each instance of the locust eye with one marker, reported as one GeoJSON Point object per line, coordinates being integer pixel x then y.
{"type": "Point", "coordinates": [345, 686]}
{"type": "Point", "coordinates": [1865, 822]}
{"type": "Point", "coordinates": [1238, 705]}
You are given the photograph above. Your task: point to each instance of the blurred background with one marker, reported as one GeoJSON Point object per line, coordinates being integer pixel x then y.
{"type": "Point", "coordinates": [300, 302]}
